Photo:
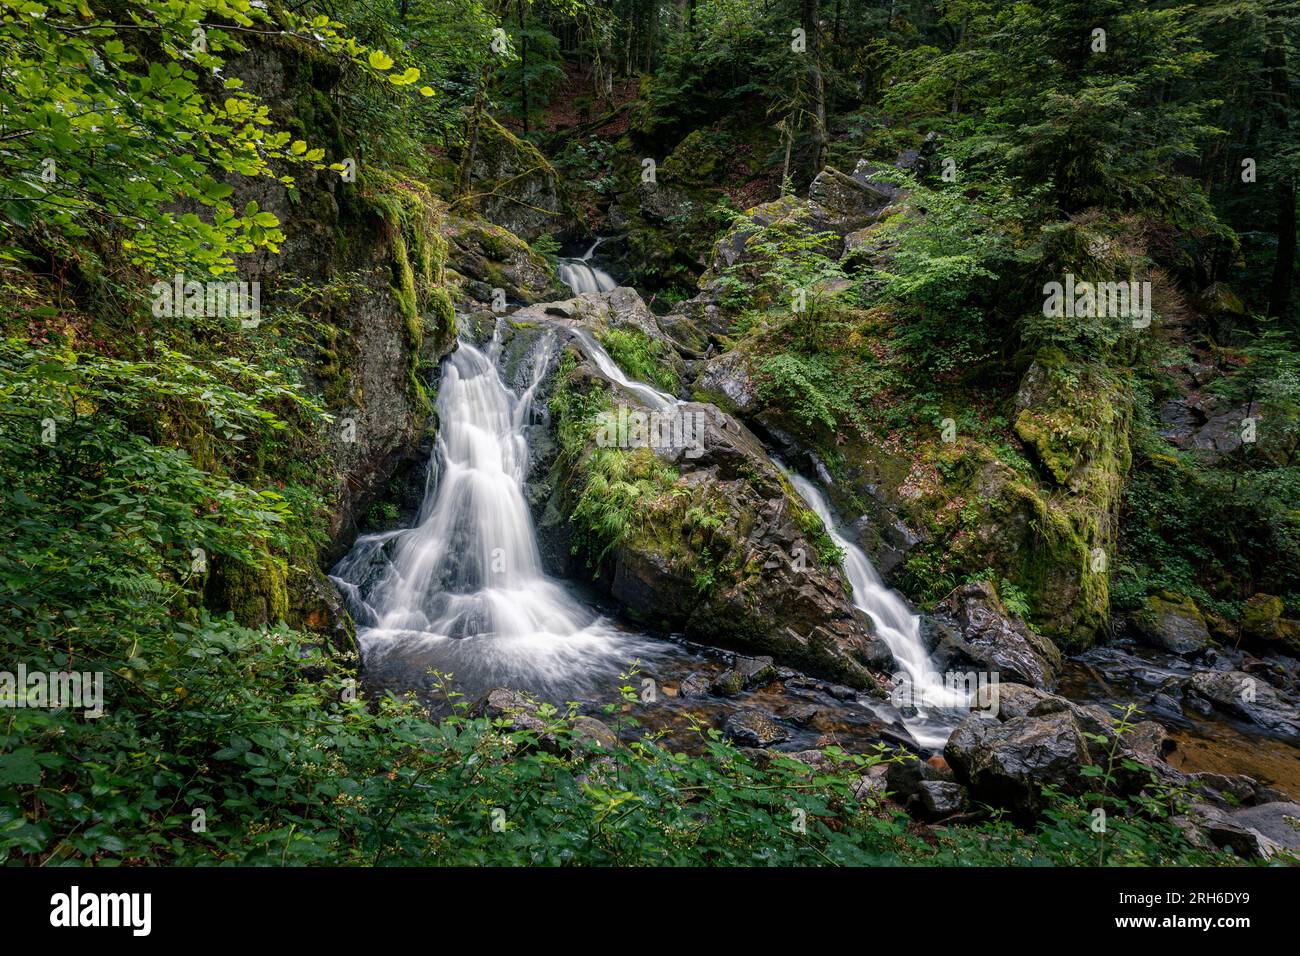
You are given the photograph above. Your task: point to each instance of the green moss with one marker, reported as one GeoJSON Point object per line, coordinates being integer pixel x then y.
{"type": "Point", "coordinates": [1261, 614]}
{"type": "Point", "coordinates": [257, 595]}
{"type": "Point", "coordinates": [640, 356]}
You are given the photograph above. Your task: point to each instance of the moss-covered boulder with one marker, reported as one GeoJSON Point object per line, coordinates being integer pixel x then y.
{"type": "Point", "coordinates": [255, 593]}
{"type": "Point", "coordinates": [484, 257]}
{"type": "Point", "coordinates": [1264, 627]}
{"type": "Point", "coordinates": [1074, 418]}
{"type": "Point", "coordinates": [703, 536]}
{"type": "Point", "coordinates": [514, 185]}
{"type": "Point", "coordinates": [1172, 622]}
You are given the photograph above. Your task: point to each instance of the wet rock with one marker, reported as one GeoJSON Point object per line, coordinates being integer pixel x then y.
{"type": "Point", "coordinates": [940, 798]}
{"type": "Point", "coordinates": [1247, 697]}
{"type": "Point", "coordinates": [1008, 764]}
{"type": "Point", "coordinates": [750, 728]}
{"type": "Point", "coordinates": [840, 692]}
{"type": "Point", "coordinates": [695, 685]}
{"type": "Point", "coordinates": [1172, 623]}
{"type": "Point", "coordinates": [755, 671]}
{"type": "Point", "coordinates": [801, 715]}
{"type": "Point", "coordinates": [589, 730]}
{"type": "Point", "coordinates": [728, 684]}
{"type": "Point", "coordinates": [921, 787]}
{"type": "Point", "coordinates": [720, 510]}
{"type": "Point", "coordinates": [983, 635]}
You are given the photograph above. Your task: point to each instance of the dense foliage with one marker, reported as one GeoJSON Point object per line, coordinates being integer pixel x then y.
{"type": "Point", "coordinates": [163, 478]}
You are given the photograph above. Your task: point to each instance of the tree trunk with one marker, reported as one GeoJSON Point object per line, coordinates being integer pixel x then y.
{"type": "Point", "coordinates": [1275, 59]}
{"type": "Point", "coordinates": [523, 64]}
{"type": "Point", "coordinates": [810, 11]}
{"type": "Point", "coordinates": [471, 148]}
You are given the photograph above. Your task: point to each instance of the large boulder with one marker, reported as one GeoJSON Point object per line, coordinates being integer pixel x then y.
{"type": "Point", "coordinates": [706, 537]}
{"type": "Point", "coordinates": [515, 185]}
{"type": "Point", "coordinates": [1245, 697]}
{"type": "Point", "coordinates": [1172, 623]}
{"type": "Point", "coordinates": [1031, 738]}
{"type": "Point", "coordinates": [1258, 832]}
{"type": "Point", "coordinates": [1264, 627]}
{"type": "Point", "coordinates": [846, 203]}
{"type": "Point", "coordinates": [1007, 763]}
{"type": "Point", "coordinates": [485, 257]}
{"type": "Point", "coordinates": [974, 629]}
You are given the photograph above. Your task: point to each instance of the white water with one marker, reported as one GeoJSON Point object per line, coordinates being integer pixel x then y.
{"type": "Point", "coordinates": [581, 276]}
{"type": "Point", "coordinates": [464, 591]}
{"type": "Point", "coordinates": [660, 401]}
{"type": "Point", "coordinates": [896, 625]}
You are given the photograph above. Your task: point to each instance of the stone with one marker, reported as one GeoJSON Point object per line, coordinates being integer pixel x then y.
{"type": "Point", "coordinates": [589, 730]}
{"type": "Point", "coordinates": [846, 203]}
{"type": "Point", "coordinates": [985, 636]}
{"type": "Point", "coordinates": [1278, 822]}
{"type": "Point", "coordinates": [520, 711]}
{"type": "Point", "coordinates": [728, 684]}
{"type": "Point", "coordinates": [871, 786]}
{"type": "Point", "coordinates": [749, 728]}
{"type": "Point", "coordinates": [801, 715]}
{"type": "Point", "coordinates": [1008, 764]}
{"type": "Point", "coordinates": [518, 187]}
{"type": "Point", "coordinates": [694, 685]}
{"type": "Point", "coordinates": [1172, 622]}
{"type": "Point", "coordinates": [940, 798]}
{"type": "Point", "coordinates": [755, 671]}
{"type": "Point", "coordinates": [1245, 696]}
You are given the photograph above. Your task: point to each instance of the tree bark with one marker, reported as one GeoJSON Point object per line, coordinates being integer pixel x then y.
{"type": "Point", "coordinates": [1275, 59]}
{"type": "Point", "coordinates": [523, 63]}
{"type": "Point", "coordinates": [810, 11]}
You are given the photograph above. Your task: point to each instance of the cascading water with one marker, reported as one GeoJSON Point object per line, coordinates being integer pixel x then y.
{"type": "Point", "coordinates": [898, 627]}
{"type": "Point", "coordinates": [463, 592]}
{"type": "Point", "coordinates": [660, 401]}
{"type": "Point", "coordinates": [581, 276]}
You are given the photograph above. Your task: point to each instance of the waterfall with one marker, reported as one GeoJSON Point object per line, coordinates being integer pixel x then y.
{"type": "Point", "coordinates": [657, 400]}
{"type": "Point", "coordinates": [581, 276]}
{"type": "Point", "coordinates": [463, 591]}
{"type": "Point", "coordinates": [896, 625]}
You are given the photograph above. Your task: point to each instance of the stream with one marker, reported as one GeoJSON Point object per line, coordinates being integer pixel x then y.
{"type": "Point", "coordinates": [463, 592]}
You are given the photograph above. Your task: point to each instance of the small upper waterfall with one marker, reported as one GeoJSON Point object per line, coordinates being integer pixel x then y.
{"type": "Point", "coordinates": [660, 401]}
{"type": "Point", "coordinates": [581, 276]}
{"type": "Point", "coordinates": [463, 591]}
{"type": "Point", "coordinates": [896, 625]}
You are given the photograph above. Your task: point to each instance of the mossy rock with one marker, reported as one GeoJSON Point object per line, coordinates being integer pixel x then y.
{"type": "Point", "coordinates": [1172, 622]}
{"type": "Point", "coordinates": [1263, 625]}
{"type": "Point", "coordinates": [256, 594]}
